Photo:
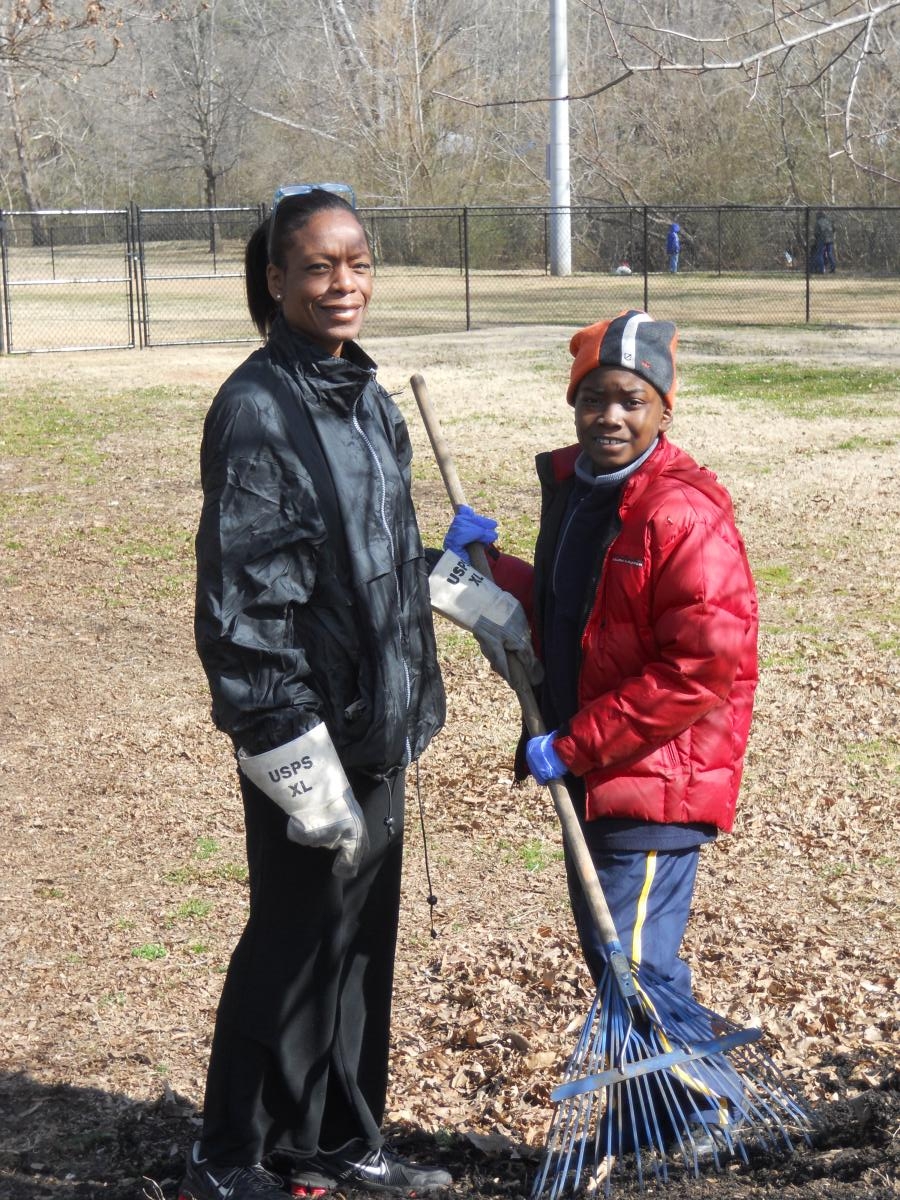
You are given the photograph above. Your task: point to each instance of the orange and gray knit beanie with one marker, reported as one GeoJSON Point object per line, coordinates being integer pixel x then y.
{"type": "Point", "coordinates": [632, 340]}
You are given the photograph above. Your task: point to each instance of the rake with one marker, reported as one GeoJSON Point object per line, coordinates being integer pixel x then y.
{"type": "Point", "coordinates": [657, 1084]}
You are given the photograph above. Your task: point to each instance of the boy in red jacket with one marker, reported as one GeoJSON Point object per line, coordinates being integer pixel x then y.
{"type": "Point", "coordinates": [645, 612]}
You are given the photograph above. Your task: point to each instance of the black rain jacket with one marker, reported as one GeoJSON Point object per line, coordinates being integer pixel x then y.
{"type": "Point", "coordinates": [312, 587]}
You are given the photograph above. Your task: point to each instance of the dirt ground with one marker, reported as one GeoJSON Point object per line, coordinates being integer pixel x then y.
{"type": "Point", "coordinates": [123, 886]}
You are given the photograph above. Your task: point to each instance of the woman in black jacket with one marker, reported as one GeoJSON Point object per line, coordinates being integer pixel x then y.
{"type": "Point", "coordinates": [314, 628]}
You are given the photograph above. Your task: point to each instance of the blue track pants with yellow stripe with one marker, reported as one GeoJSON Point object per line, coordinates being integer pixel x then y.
{"type": "Point", "coordinates": [649, 894]}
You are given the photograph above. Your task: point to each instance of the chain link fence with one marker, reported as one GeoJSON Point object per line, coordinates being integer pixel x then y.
{"type": "Point", "coordinates": [93, 279]}
{"type": "Point", "coordinates": [191, 269]}
{"type": "Point", "coordinates": [66, 280]}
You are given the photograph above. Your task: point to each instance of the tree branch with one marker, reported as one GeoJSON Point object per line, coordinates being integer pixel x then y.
{"type": "Point", "coordinates": [270, 116]}
{"type": "Point", "coordinates": [783, 46]}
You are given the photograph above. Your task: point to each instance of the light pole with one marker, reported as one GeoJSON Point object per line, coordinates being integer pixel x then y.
{"type": "Point", "coordinates": [558, 158]}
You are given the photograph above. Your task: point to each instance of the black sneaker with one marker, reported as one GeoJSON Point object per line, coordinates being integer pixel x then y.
{"type": "Point", "coordinates": [375, 1171]}
{"type": "Point", "coordinates": [204, 1181]}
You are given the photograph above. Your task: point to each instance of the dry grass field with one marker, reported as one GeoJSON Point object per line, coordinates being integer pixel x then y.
{"type": "Point", "coordinates": [121, 859]}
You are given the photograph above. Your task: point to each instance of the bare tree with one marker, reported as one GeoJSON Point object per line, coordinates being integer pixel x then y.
{"type": "Point", "coordinates": [443, 101]}
{"type": "Point", "coordinates": [362, 93]}
{"type": "Point", "coordinates": [42, 41]}
{"type": "Point", "coordinates": [798, 45]}
{"type": "Point", "coordinates": [201, 81]}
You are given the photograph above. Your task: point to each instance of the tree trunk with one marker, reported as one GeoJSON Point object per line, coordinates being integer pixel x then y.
{"type": "Point", "coordinates": [38, 226]}
{"type": "Point", "coordinates": [210, 188]}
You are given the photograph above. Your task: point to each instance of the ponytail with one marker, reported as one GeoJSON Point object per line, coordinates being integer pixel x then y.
{"type": "Point", "coordinates": [263, 309]}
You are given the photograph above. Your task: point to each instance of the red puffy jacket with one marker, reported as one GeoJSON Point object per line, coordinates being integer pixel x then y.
{"type": "Point", "coordinates": [669, 665]}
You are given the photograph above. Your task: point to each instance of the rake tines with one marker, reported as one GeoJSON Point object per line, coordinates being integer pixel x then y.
{"type": "Point", "coordinates": [661, 1085]}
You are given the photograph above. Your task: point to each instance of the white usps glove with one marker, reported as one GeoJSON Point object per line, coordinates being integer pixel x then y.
{"type": "Point", "coordinates": [305, 778]}
{"type": "Point", "coordinates": [497, 619]}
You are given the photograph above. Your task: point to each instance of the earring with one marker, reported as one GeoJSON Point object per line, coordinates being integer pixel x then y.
{"type": "Point", "coordinates": [278, 297]}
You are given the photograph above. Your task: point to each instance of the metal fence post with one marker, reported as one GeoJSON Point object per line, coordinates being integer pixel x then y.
{"type": "Point", "coordinates": [465, 226]}
{"type": "Point", "coordinates": [807, 257]}
{"type": "Point", "coordinates": [133, 301]}
{"type": "Point", "coordinates": [646, 263]}
{"type": "Point", "coordinates": [140, 269]}
{"type": "Point", "coordinates": [129, 268]}
{"type": "Point", "coordinates": [3, 291]}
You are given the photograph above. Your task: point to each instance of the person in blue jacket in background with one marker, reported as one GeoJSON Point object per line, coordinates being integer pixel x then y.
{"type": "Point", "coordinates": [673, 246]}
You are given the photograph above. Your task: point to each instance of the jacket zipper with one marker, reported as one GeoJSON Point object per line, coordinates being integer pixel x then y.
{"type": "Point", "coordinates": [376, 461]}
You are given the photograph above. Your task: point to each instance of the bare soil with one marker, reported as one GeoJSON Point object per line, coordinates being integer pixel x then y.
{"type": "Point", "coordinates": [121, 850]}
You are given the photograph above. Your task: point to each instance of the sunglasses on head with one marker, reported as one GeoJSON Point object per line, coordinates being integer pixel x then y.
{"type": "Point", "coordinates": [302, 189]}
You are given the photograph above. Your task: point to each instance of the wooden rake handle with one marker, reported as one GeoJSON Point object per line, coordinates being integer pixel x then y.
{"type": "Point", "coordinates": [562, 802]}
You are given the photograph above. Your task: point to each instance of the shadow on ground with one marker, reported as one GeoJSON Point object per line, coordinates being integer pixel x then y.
{"type": "Point", "coordinates": [80, 1143]}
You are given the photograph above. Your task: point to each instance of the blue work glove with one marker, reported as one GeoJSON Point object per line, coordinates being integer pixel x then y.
{"type": "Point", "coordinates": [543, 761]}
{"type": "Point", "coordinates": [469, 526]}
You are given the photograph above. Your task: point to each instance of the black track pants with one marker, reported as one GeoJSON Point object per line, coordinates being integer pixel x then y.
{"type": "Point", "coordinates": [299, 1058]}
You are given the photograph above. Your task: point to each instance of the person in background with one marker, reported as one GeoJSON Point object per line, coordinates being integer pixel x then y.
{"type": "Point", "coordinates": [314, 628]}
{"type": "Point", "coordinates": [673, 246]}
{"type": "Point", "coordinates": [823, 245]}
{"type": "Point", "coordinates": [645, 613]}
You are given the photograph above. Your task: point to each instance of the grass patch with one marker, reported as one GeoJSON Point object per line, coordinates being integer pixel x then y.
{"type": "Point", "coordinates": [149, 952]}
{"type": "Point", "coordinates": [69, 424]}
{"type": "Point", "coordinates": [887, 642]}
{"type": "Point", "coordinates": [232, 872]}
{"type": "Point", "coordinates": [773, 577]}
{"type": "Point", "coordinates": [112, 1000]}
{"type": "Point", "coordinates": [194, 909]}
{"type": "Point", "coordinates": [885, 634]}
{"type": "Point", "coordinates": [78, 1144]}
{"type": "Point", "coordinates": [534, 855]}
{"type": "Point", "coordinates": [537, 854]}
{"type": "Point", "coordinates": [836, 870]}
{"type": "Point", "coordinates": [21, 504]}
{"type": "Point", "coordinates": [454, 642]}
{"type": "Point", "coordinates": [800, 391]}
{"type": "Point", "coordinates": [153, 544]}
{"type": "Point", "coordinates": [864, 443]}
{"type": "Point", "coordinates": [549, 362]}
{"type": "Point", "coordinates": [195, 873]}
{"type": "Point", "coordinates": [791, 660]}
{"type": "Point", "coordinates": [876, 752]}
{"type": "Point", "coordinates": [35, 424]}
{"type": "Point", "coordinates": [518, 534]}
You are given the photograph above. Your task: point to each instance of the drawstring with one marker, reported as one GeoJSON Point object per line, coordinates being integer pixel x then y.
{"type": "Point", "coordinates": [432, 898]}
{"type": "Point", "coordinates": [389, 822]}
